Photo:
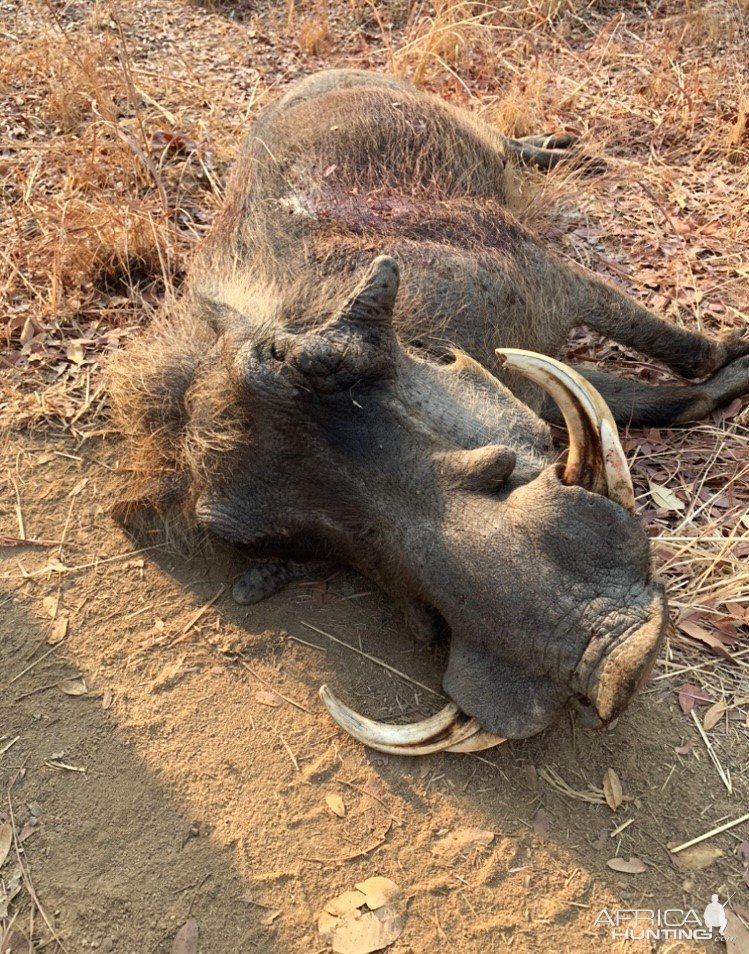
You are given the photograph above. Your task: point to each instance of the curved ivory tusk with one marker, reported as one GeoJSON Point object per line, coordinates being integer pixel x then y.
{"type": "Point", "coordinates": [392, 734]}
{"type": "Point", "coordinates": [447, 728]}
{"type": "Point", "coordinates": [595, 460]}
{"type": "Point", "coordinates": [478, 742]}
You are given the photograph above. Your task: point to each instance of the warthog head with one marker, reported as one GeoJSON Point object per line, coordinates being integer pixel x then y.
{"type": "Point", "coordinates": [437, 483]}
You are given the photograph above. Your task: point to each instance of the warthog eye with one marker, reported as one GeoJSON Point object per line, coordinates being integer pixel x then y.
{"type": "Point", "coordinates": [277, 352]}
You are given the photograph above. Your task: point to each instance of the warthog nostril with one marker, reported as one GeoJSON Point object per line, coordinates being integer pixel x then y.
{"type": "Point", "coordinates": [586, 713]}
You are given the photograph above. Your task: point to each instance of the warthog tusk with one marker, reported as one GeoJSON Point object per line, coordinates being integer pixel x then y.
{"type": "Point", "coordinates": [478, 742]}
{"type": "Point", "coordinates": [595, 460]}
{"type": "Point", "coordinates": [448, 730]}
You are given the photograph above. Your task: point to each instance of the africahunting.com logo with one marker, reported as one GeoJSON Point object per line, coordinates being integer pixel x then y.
{"type": "Point", "coordinates": [671, 924]}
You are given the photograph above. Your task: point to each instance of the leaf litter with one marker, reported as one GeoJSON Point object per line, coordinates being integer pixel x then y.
{"type": "Point", "coordinates": [698, 857]}
{"type": "Point", "coordinates": [368, 918]}
{"type": "Point", "coordinates": [74, 687]}
{"type": "Point", "coordinates": [336, 805]}
{"type": "Point", "coordinates": [6, 840]}
{"type": "Point", "coordinates": [612, 789]}
{"type": "Point", "coordinates": [186, 939]}
{"type": "Point", "coordinates": [691, 696]}
{"type": "Point", "coordinates": [627, 865]}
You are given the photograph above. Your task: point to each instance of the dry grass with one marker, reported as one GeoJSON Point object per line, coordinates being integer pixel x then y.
{"type": "Point", "coordinates": [115, 149]}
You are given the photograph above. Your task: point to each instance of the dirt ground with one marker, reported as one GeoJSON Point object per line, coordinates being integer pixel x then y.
{"type": "Point", "coordinates": [164, 756]}
{"type": "Point", "coordinates": [179, 784]}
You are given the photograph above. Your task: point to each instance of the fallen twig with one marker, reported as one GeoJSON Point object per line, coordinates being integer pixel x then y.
{"type": "Point", "coordinates": [725, 776]}
{"type": "Point", "coordinates": [31, 666]}
{"type": "Point", "coordinates": [9, 745]}
{"type": "Point", "coordinates": [374, 659]}
{"type": "Point", "coordinates": [710, 834]}
{"type": "Point", "coordinates": [24, 868]}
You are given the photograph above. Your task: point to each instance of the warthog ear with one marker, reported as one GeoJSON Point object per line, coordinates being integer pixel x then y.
{"type": "Point", "coordinates": [374, 299]}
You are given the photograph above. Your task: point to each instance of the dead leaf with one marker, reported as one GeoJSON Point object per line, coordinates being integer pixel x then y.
{"type": "Point", "coordinates": [612, 789]}
{"type": "Point", "coordinates": [541, 825]}
{"type": "Point", "coordinates": [371, 931]}
{"type": "Point", "coordinates": [462, 840]}
{"type": "Point", "coordinates": [683, 749]}
{"type": "Point", "coordinates": [378, 891]}
{"type": "Point", "coordinates": [27, 831]}
{"type": "Point", "coordinates": [59, 631]}
{"type": "Point", "coordinates": [709, 639]}
{"type": "Point", "coordinates": [627, 865]}
{"type": "Point", "coordinates": [54, 566]}
{"type": "Point", "coordinates": [270, 917]}
{"type": "Point", "coordinates": [736, 610]}
{"type": "Point", "coordinates": [175, 143]}
{"type": "Point", "coordinates": [348, 901]}
{"type": "Point", "coordinates": [665, 498]}
{"type": "Point", "coordinates": [336, 805]}
{"type": "Point", "coordinates": [691, 696]}
{"type": "Point", "coordinates": [74, 352]}
{"type": "Point", "coordinates": [107, 699]}
{"type": "Point", "coordinates": [186, 939]}
{"type": "Point", "coordinates": [10, 885]}
{"type": "Point", "coordinates": [6, 840]}
{"type": "Point", "coordinates": [351, 925]}
{"type": "Point", "coordinates": [729, 412]}
{"type": "Point", "coordinates": [698, 856]}
{"type": "Point", "coordinates": [737, 936]}
{"type": "Point", "coordinates": [78, 487]}
{"type": "Point", "coordinates": [50, 604]}
{"type": "Point", "coordinates": [268, 698]}
{"type": "Point", "coordinates": [713, 715]}
{"type": "Point", "coordinates": [74, 687]}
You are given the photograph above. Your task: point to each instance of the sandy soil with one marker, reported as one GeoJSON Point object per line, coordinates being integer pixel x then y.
{"type": "Point", "coordinates": [172, 787]}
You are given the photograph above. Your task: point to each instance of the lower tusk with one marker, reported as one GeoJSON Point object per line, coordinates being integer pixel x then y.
{"type": "Point", "coordinates": [596, 460]}
{"type": "Point", "coordinates": [383, 732]}
{"type": "Point", "coordinates": [436, 734]}
{"type": "Point", "coordinates": [478, 742]}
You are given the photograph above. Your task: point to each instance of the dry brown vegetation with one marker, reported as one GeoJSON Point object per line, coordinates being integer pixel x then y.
{"type": "Point", "coordinates": [118, 126]}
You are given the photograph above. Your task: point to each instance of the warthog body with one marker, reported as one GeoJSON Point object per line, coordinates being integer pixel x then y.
{"type": "Point", "coordinates": [298, 401]}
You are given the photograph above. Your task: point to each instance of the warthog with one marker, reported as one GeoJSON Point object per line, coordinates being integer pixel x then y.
{"type": "Point", "coordinates": [327, 388]}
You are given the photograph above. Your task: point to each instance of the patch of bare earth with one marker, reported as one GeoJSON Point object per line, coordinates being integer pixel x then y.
{"type": "Point", "coordinates": [166, 770]}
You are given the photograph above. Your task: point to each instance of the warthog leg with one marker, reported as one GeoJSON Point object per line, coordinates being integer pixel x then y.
{"type": "Point", "coordinates": [550, 141]}
{"type": "Point", "coordinates": [639, 404]}
{"type": "Point", "coordinates": [545, 152]}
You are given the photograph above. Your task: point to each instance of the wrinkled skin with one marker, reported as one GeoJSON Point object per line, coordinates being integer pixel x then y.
{"type": "Point", "coordinates": [441, 487]}
{"type": "Point", "coordinates": [300, 400]}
